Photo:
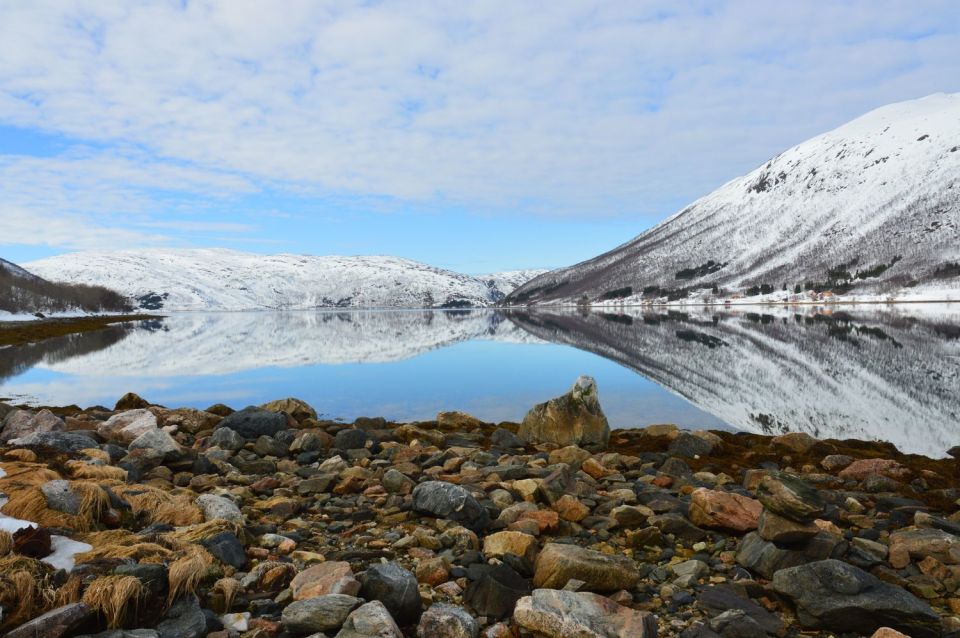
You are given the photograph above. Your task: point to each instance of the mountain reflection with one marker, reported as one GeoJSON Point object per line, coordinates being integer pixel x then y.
{"type": "Point", "coordinates": [868, 373]}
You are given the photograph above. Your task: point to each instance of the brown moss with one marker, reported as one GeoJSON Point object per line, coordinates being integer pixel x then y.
{"type": "Point", "coordinates": [81, 470]}
{"type": "Point", "coordinates": [113, 597]}
{"type": "Point", "coordinates": [185, 573]}
{"type": "Point", "coordinates": [160, 506]}
{"type": "Point", "coordinates": [224, 592]}
{"type": "Point", "coordinates": [21, 454]}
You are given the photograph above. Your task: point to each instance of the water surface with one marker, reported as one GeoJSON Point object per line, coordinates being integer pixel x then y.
{"type": "Point", "coordinates": [891, 373]}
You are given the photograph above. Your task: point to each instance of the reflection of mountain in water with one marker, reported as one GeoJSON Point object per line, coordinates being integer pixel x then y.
{"type": "Point", "coordinates": [213, 344]}
{"type": "Point", "coordinates": [870, 374]}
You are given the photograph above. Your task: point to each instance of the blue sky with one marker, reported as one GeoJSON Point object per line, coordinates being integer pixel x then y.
{"type": "Point", "coordinates": [476, 136]}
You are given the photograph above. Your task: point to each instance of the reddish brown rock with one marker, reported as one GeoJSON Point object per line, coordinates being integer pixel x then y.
{"type": "Point", "coordinates": [325, 578]}
{"type": "Point", "coordinates": [861, 469]}
{"type": "Point", "coordinates": [724, 510]}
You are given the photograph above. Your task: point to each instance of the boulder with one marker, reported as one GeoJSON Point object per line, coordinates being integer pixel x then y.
{"type": "Point", "coordinates": [457, 421]}
{"type": "Point", "coordinates": [371, 620]}
{"type": "Point", "coordinates": [724, 510]}
{"type": "Point", "coordinates": [334, 577]}
{"type": "Point", "coordinates": [571, 455]}
{"type": "Point", "coordinates": [63, 441]}
{"type": "Point", "coordinates": [20, 423]}
{"type": "Point", "coordinates": [350, 439]}
{"type": "Point", "coordinates": [922, 543]}
{"type": "Point", "coordinates": [156, 440]}
{"type": "Point", "coordinates": [505, 439]}
{"type": "Point", "coordinates": [53, 624]}
{"type": "Point", "coordinates": [126, 426]}
{"type": "Point", "coordinates": [564, 614]}
{"type": "Point", "coordinates": [296, 408]}
{"type": "Point", "coordinates": [215, 507]}
{"type": "Point", "coordinates": [721, 598]}
{"type": "Point", "coordinates": [862, 468]}
{"type": "Point", "coordinates": [516, 543]}
{"type": "Point", "coordinates": [447, 621]}
{"type": "Point", "coordinates": [688, 445]}
{"type": "Point", "coordinates": [836, 596]}
{"type": "Point", "coordinates": [574, 418]}
{"type": "Point", "coordinates": [766, 558]}
{"type": "Point", "coordinates": [790, 497]}
{"type": "Point", "coordinates": [184, 619]}
{"type": "Point", "coordinates": [252, 423]}
{"type": "Point", "coordinates": [227, 439]}
{"type": "Point", "coordinates": [450, 501]}
{"type": "Point", "coordinates": [396, 588]}
{"type": "Point", "coordinates": [559, 563]}
{"type": "Point", "coordinates": [227, 549]}
{"type": "Point", "coordinates": [130, 401]}
{"type": "Point", "coordinates": [61, 497]}
{"type": "Point", "coordinates": [779, 529]}
{"type": "Point", "coordinates": [735, 623]}
{"type": "Point", "coordinates": [323, 613]}
{"type": "Point", "coordinates": [495, 590]}
{"type": "Point", "coordinates": [798, 442]}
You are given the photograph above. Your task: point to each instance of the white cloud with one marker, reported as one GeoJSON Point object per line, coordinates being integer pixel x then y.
{"type": "Point", "coordinates": [567, 108]}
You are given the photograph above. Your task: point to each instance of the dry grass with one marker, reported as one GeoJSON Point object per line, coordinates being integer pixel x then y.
{"type": "Point", "coordinates": [120, 544]}
{"type": "Point", "coordinates": [6, 542]}
{"type": "Point", "coordinates": [81, 470]}
{"type": "Point", "coordinates": [27, 502]}
{"type": "Point", "coordinates": [21, 474]}
{"type": "Point", "coordinates": [96, 454]}
{"type": "Point", "coordinates": [112, 596]}
{"type": "Point", "coordinates": [18, 597]}
{"type": "Point", "coordinates": [69, 592]}
{"type": "Point", "coordinates": [160, 506]}
{"type": "Point", "coordinates": [227, 589]}
{"type": "Point", "coordinates": [203, 531]}
{"type": "Point", "coordinates": [22, 455]}
{"type": "Point", "coordinates": [186, 572]}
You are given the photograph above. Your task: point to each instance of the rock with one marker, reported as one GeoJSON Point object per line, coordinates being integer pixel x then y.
{"type": "Point", "coordinates": [153, 576]}
{"type": "Point", "coordinates": [252, 423]}
{"type": "Point", "coordinates": [450, 501]}
{"type": "Point", "coordinates": [157, 440]}
{"type": "Point", "coordinates": [227, 439]}
{"type": "Point", "coordinates": [503, 438]}
{"type": "Point", "coordinates": [566, 614]}
{"type": "Point", "coordinates": [21, 423]}
{"type": "Point", "coordinates": [779, 529]}
{"type": "Point", "coordinates": [921, 543]}
{"type": "Point", "coordinates": [323, 613]}
{"type": "Point", "coordinates": [432, 571]}
{"type": "Point", "coordinates": [696, 569]}
{"type": "Point", "coordinates": [334, 577]}
{"type": "Point", "coordinates": [131, 401]}
{"type": "Point", "coordinates": [571, 455]}
{"type": "Point", "coordinates": [571, 509]}
{"type": "Point", "coordinates": [721, 598]}
{"type": "Point", "coordinates": [457, 421]}
{"type": "Point", "coordinates": [397, 482]}
{"type": "Point", "coordinates": [724, 510]}
{"type": "Point", "coordinates": [735, 623]}
{"type": "Point", "coordinates": [559, 563]}
{"type": "Point", "coordinates": [631, 516]}
{"type": "Point", "coordinates": [35, 542]}
{"type": "Point", "coordinates": [63, 441]}
{"type": "Point", "coordinates": [127, 426]}
{"type": "Point", "coordinates": [396, 588]}
{"type": "Point", "coordinates": [371, 620]}
{"type": "Point", "coordinates": [184, 619]}
{"type": "Point", "coordinates": [53, 624]}
{"type": "Point", "coordinates": [887, 632]}
{"type": "Point", "coordinates": [447, 621]}
{"type": "Point", "coordinates": [350, 439]}
{"type": "Point", "coordinates": [798, 442]}
{"type": "Point", "coordinates": [765, 558]}
{"type": "Point", "coordinates": [496, 591]}
{"type": "Point", "coordinates": [687, 445]}
{"type": "Point", "coordinates": [834, 462]}
{"type": "Point", "coordinates": [835, 596]}
{"type": "Point", "coordinates": [790, 497]}
{"type": "Point", "coordinates": [61, 497]}
{"type": "Point", "coordinates": [572, 419]}
{"type": "Point", "coordinates": [296, 408]}
{"type": "Point", "coordinates": [862, 468]}
{"type": "Point", "coordinates": [227, 548]}
{"type": "Point", "coordinates": [221, 507]}
{"type": "Point", "coordinates": [517, 543]}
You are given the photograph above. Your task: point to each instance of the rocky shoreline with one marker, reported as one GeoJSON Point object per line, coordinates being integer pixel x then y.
{"type": "Point", "coordinates": [146, 521]}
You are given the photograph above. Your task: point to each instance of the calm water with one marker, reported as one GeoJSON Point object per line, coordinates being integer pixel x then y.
{"type": "Point", "coordinates": [885, 373]}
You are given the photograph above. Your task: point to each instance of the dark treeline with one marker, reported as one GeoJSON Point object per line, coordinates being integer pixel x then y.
{"type": "Point", "coordinates": [29, 294]}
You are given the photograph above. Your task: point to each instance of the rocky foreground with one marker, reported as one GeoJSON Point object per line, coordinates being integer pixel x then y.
{"type": "Point", "coordinates": [145, 521]}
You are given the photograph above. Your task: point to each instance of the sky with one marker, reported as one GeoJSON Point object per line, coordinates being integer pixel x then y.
{"type": "Point", "coordinates": [471, 135]}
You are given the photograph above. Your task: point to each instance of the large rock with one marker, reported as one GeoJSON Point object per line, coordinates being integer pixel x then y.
{"type": "Point", "coordinates": [333, 577]}
{"type": "Point", "coordinates": [559, 563]}
{"type": "Point", "coordinates": [61, 497]}
{"type": "Point", "coordinates": [566, 614]}
{"type": "Point", "coordinates": [63, 441]}
{"type": "Point", "coordinates": [156, 440]}
{"type": "Point", "coordinates": [921, 543]}
{"type": "Point", "coordinates": [221, 507]}
{"type": "Point", "coordinates": [296, 408]}
{"type": "Point", "coordinates": [496, 590]}
{"type": "Point", "coordinates": [779, 529]}
{"type": "Point", "coordinates": [125, 427]}
{"type": "Point", "coordinates": [572, 419]}
{"type": "Point", "coordinates": [837, 596]}
{"type": "Point", "coordinates": [227, 549]}
{"type": "Point", "coordinates": [323, 613]}
{"type": "Point", "coordinates": [184, 619]}
{"type": "Point", "coordinates": [508, 542]}
{"type": "Point", "coordinates": [724, 510]}
{"type": "Point", "coordinates": [227, 439]}
{"type": "Point", "coordinates": [396, 588]}
{"type": "Point", "coordinates": [790, 497]}
{"type": "Point", "coordinates": [863, 468]}
{"type": "Point", "coordinates": [23, 422]}
{"type": "Point", "coordinates": [447, 621]}
{"type": "Point", "coordinates": [766, 558]}
{"type": "Point", "coordinates": [371, 620]}
{"type": "Point", "coordinates": [252, 422]}
{"type": "Point", "coordinates": [53, 624]}
{"type": "Point", "coordinates": [450, 501]}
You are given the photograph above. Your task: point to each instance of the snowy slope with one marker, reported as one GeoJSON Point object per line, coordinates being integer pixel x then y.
{"type": "Point", "coordinates": [216, 279]}
{"type": "Point", "coordinates": [878, 197]}
{"type": "Point", "coordinates": [872, 374]}
{"type": "Point", "coordinates": [16, 271]}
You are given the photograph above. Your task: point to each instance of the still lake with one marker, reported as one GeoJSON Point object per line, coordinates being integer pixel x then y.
{"type": "Point", "coordinates": [886, 372]}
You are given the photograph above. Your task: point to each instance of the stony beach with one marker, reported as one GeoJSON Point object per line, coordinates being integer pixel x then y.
{"type": "Point", "coordinates": [145, 521]}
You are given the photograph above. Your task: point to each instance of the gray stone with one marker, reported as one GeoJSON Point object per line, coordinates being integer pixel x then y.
{"type": "Point", "coordinates": [126, 426]}
{"type": "Point", "coordinates": [691, 568]}
{"type": "Point", "coordinates": [574, 418]}
{"type": "Point", "coordinates": [322, 613]}
{"type": "Point", "coordinates": [558, 563]}
{"type": "Point", "coordinates": [252, 422]}
{"type": "Point", "coordinates": [157, 440]}
{"type": "Point", "coordinates": [395, 482]}
{"type": "Point", "coordinates": [23, 422]}
{"type": "Point", "coordinates": [350, 439]}
{"type": "Point", "coordinates": [184, 619]}
{"type": "Point", "coordinates": [53, 624]}
{"type": "Point", "coordinates": [779, 529]}
{"type": "Point", "coordinates": [721, 598]}
{"type": "Point", "coordinates": [61, 497]}
{"type": "Point", "coordinates": [396, 588]}
{"type": "Point", "coordinates": [215, 507]}
{"type": "Point", "coordinates": [496, 590]}
{"type": "Point", "coordinates": [63, 441]}
{"type": "Point", "coordinates": [503, 438]}
{"type": "Point", "coordinates": [227, 439]}
{"type": "Point", "coordinates": [566, 614]}
{"type": "Point", "coordinates": [836, 596]}
{"type": "Point", "coordinates": [766, 558]}
{"type": "Point", "coordinates": [447, 621]}
{"type": "Point", "coordinates": [269, 446]}
{"type": "Point", "coordinates": [450, 501]}
{"type": "Point", "coordinates": [790, 497]}
{"type": "Point", "coordinates": [735, 623]}
{"type": "Point", "coordinates": [688, 446]}
{"type": "Point", "coordinates": [371, 620]}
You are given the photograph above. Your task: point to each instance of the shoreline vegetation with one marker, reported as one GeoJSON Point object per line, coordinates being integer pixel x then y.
{"type": "Point", "coordinates": [270, 522]}
{"type": "Point", "coordinates": [18, 333]}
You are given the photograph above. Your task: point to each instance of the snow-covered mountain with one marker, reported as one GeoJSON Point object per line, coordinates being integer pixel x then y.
{"type": "Point", "coordinates": [217, 279]}
{"type": "Point", "coordinates": [871, 209]}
